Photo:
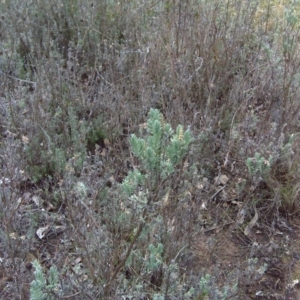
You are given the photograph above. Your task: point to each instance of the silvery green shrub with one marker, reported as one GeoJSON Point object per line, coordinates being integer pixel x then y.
{"type": "Point", "coordinates": [43, 287]}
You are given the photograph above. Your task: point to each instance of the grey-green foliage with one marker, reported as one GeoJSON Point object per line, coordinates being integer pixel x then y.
{"type": "Point", "coordinates": [155, 259]}
{"type": "Point", "coordinates": [49, 151]}
{"type": "Point", "coordinates": [259, 165]}
{"type": "Point", "coordinates": [209, 289]}
{"type": "Point", "coordinates": [159, 152]}
{"type": "Point", "coordinates": [44, 287]}
{"type": "Point", "coordinates": [77, 137]}
{"type": "Point", "coordinates": [286, 148]}
{"type": "Point", "coordinates": [204, 284]}
{"type": "Point", "coordinates": [158, 297]}
{"type": "Point", "coordinates": [132, 180]}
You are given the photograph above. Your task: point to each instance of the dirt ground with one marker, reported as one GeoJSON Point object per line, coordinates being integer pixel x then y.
{"type": "Point", "coordinates": [266, 262]}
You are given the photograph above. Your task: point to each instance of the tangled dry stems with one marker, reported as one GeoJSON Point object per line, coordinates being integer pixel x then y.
{"type": "Point", "coordinates": [78, 79]}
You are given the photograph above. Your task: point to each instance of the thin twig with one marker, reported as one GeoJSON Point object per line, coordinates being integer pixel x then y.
{"type": "Point", "coordinates": [122, 263]}
{"type": "Point", "coordinates": [18, 79]}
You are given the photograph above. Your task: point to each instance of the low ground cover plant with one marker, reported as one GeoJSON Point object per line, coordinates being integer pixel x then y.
{"type": "Point", "coordinates": [149, 149]}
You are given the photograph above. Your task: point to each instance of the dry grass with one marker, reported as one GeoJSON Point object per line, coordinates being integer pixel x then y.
{"type": "Point", "coordinates": [78, 78]}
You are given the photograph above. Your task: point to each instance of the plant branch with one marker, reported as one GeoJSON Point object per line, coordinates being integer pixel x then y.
{"type": "Point", "coordinates": [122, 263]}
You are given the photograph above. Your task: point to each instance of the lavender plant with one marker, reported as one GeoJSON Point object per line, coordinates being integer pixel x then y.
{"type": "Point", "coordinates": [159, 153]}
{"type": "Point", "coordinates": [43, 287]}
